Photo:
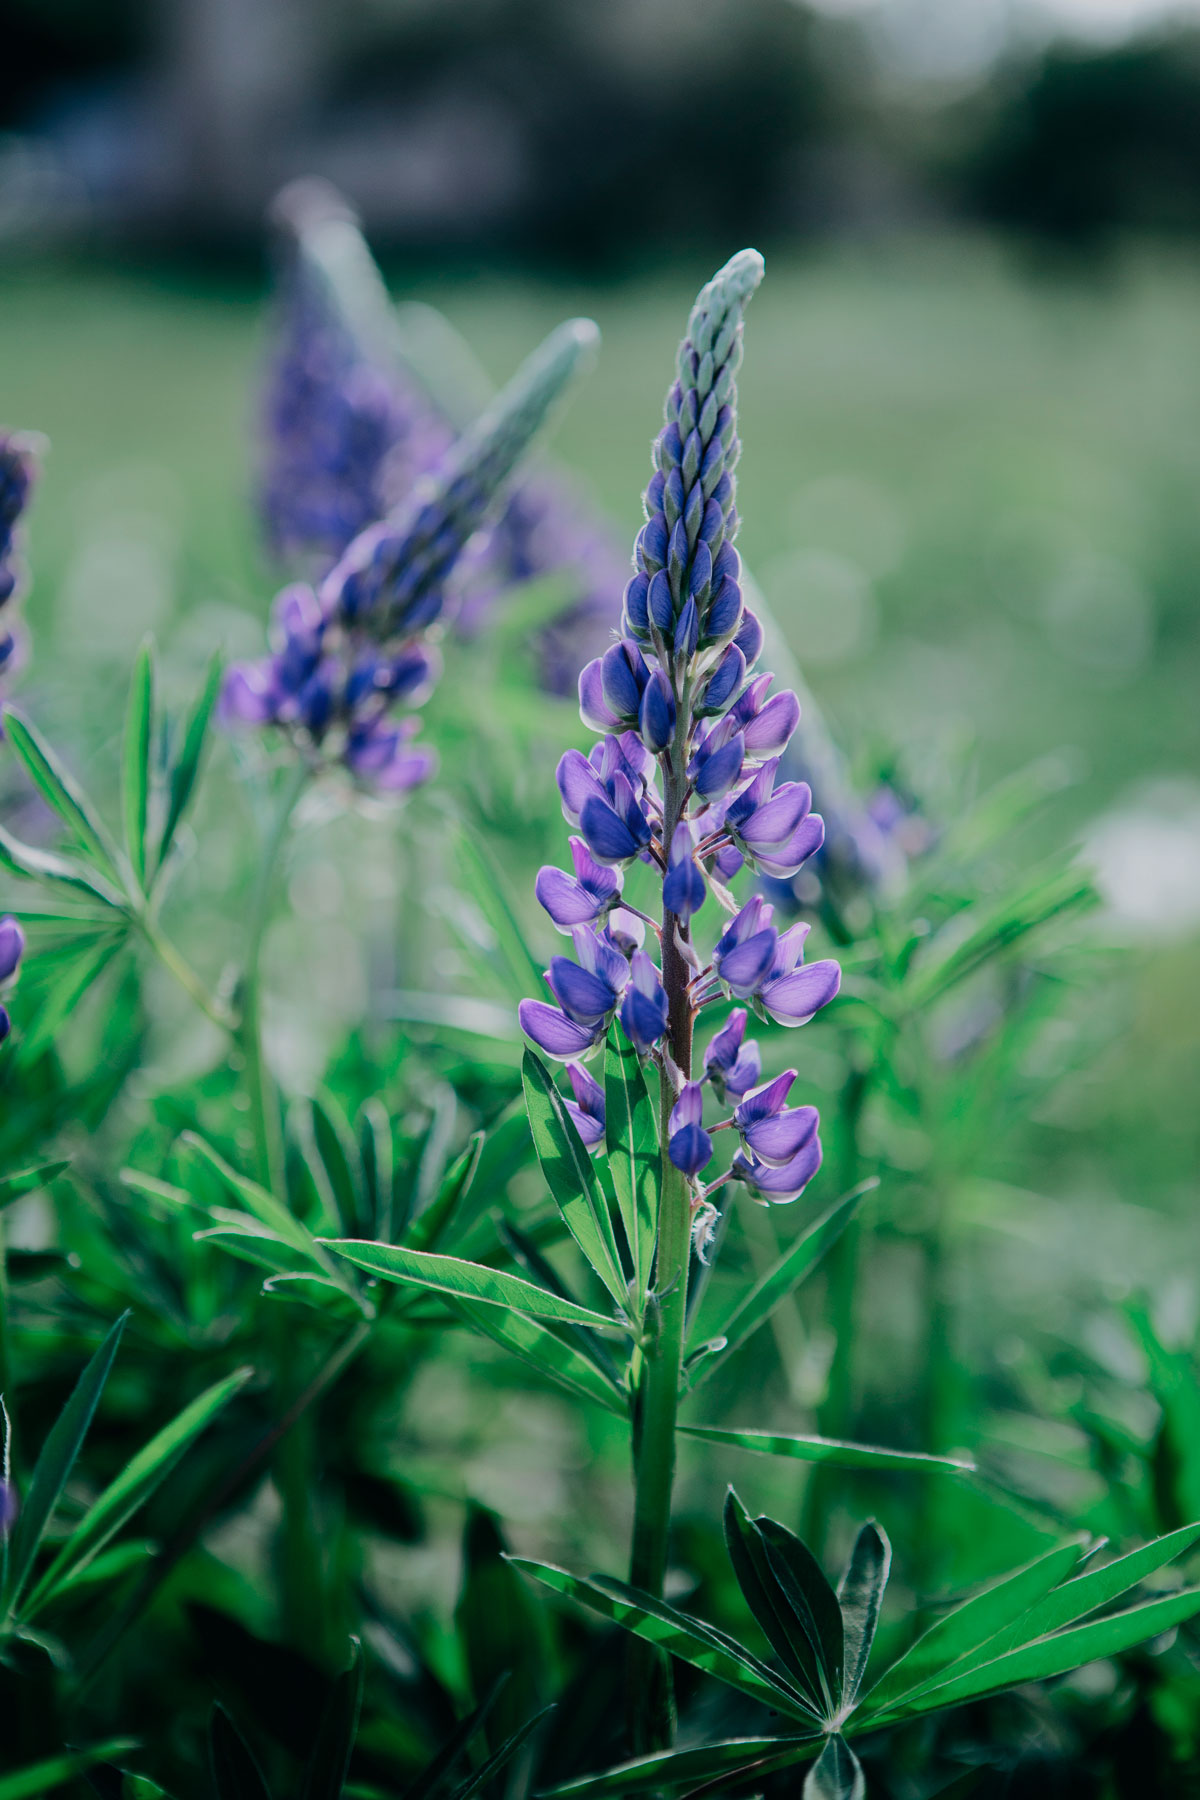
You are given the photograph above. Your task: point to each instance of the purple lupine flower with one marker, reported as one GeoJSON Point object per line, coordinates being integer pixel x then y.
{"type": "Point", "coordinates": [683, 780]}
{"type": "Point", "coordinates": [782, 1184]}
{"type": "Point", "coordinates": [731, 1065]}
{"type": "Point", "coordinates": [12, 947]}
{"type": "Point", "coordinates": [346, 654]}
{"type": "Point", "coordinates": [773, 1132]}
{"type": "Point", "coordinates": [644, 1008]}
{"type": "Point", "coordinates": [776, 831]}
{"type": "Point", "coordinates": [688, 1144]}
{"type": "Point", "coordinates": [580, 899]}
{"type": "Point", "coordinates": [19, 454]}
{"type": "Point", "coordinates": [587, 1108]}
{"type": "Point", "coordinates": [684, 889]}
{"type": "Point", "coordinates": [790, 993]}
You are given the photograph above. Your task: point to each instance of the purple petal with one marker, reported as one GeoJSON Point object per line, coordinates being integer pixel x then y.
{"type": "Point", "coordinates": [12, 945]}
{"type": "Point", "coordinates": [771, 825]}
{"type": "Point", "coordinates": [690, 1149]}
{"type": "Point", "coordinates": [689, 1108]}
{"type": "Point", "coordinates": [551, 1030]}
{"type": "Point", "coordinates": [720, 771]}
{"type": "Point", "coordinates": [567, 901]}
{"type": "Point", "coordinates": [577, 783]}
{"type": "Point", "coordinates": [746, 1071]}
{"type": "Point", "coordinates": [776, 1141]}
{"type": "Point", "coordinates": [584, 997]}
{"type": "Point", "coordinates": [770, 733]}
{"type": "Point", "coordinates": [589, 1095]}
{"type": "Point", "coordinates": [784, 1184]}
{"type": "Point", "coordinates": [766, 1101]}
{"type": "Point", "coordinates": [793, 999]}
{"type": "Point", "coordinates": [608, 837]}
{"type": "Point", "coordinates": [723, 1051]}
{"type": "Point", "coordinates": [786, 861]}
{"type": "Point", "coordinates": [743, 967]}
{"type": "Point", "coordinates": [591, 1131]}
{"type": "Point", "coordinates": [593, 706]}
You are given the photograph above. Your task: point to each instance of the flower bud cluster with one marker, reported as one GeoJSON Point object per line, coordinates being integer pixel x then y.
{"type": "Point", "coordinates": [684, 780]}
{"type": "Point", "coordinates": [18, 472]}
{"type": "Point", "coordinates": [12, 948]}
{"type": "Point", "coordinates": [347, 653]}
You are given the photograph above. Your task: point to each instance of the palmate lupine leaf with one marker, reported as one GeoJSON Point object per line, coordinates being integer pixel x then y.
{"type": "Point", "coordinates": [631, 1140]}
{"type": "Point", "coordinates": [135, 770]}
{"type": "Point", "coordinates": [62, 793]}
{"type": "Point", "coordinates": [756, 1307]}
{"type": "Point", "coordinates": [132, 1488]}
{"type": "Point", "coordinates": [973, 1624]}
{"type": "Point", "coordinates": [691, 1640]}
{"type": "Point", "coordinates": [825, 1450]}
{"type": "Point", "coordinates": [54, 1465]}
{"type": "Point", "coordinates": [466, 1280]}
{"type": "Point", "coordinates": [570, 1176]}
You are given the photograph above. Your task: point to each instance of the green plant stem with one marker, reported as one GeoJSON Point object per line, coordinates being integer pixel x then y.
{"type": "Point", "coordinates": [264, 1099]}
{"type": "Point", "coordinates": [183, 972]}
{"type": "Point", "coordinates": [651, 1711]}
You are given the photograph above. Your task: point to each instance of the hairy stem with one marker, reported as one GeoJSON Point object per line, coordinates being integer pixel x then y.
{"type": "Point", "coordinates": [651, 1711]}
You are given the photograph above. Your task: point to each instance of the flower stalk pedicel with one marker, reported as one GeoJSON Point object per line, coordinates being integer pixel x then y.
{"type": "Point", "coordinates": [683, 780]}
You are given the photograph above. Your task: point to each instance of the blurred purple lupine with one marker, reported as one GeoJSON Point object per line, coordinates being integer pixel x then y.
{"type": "Point", "coordinates": [12, 948]}
{"type": "Point", "coordinates": [684, 780]}
{"type": "Point", "coordinates": [347, 653]}
{"type": "Point", "coordinates": [18, 472]}
{"type": "Point", "coordinates": [348, 433]}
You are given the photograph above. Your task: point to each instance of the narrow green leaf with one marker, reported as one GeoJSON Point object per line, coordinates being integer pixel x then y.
{"type": "Point", "coordinates": [526, 1253]}
{"type": "Point", "coordinates": [27, 1181]}
{"type": "Point", "coordinates": [377, 1155]}
{"type": "Point", "coordinates": [44, 1777]}
{"type": "Point", "coordinates": [836, 1774]}
{"type": "Point", "coordinates": [338, 1150]}
{"type": "Point", "coordinates": [429, 1226]}
{"type": "Point", "coordinates": [133, 1487]}
{"type": "Point", "coordinates": [497, 1760]}
{"type": "Point", "coordinates": [325, 1776]}
{"type": "Point", "coordinates": [263, 1205]}
{"type": "Point", "coordinates": [61, 792]}
{"type": "Point", "coordinates": [55, 1463]}
{"type": "Point", "coordinates": [235, 1774]}
{"type": "Point", "coordinates": [794, 1634]}
{"type": "Point", "coordinates": [780, 1280]}
{"type": "Point", "coordinates": [631, 1139]}
{"type": "Point", "coordinates": [570, 1176]}
{"type": "Point", "coordinates": [824, 1450]}
{"type": "Point", "coordinates": [684, 1768]}
{"type": "Point", "coordinates": [551, 1355]}
{"type": "Point", "coordinates": [689, 1639]}
{"type": "Point", "coordinates": [860, 1597]}
{"type": "Point", "coordinates": [135, 773]}
{"type": "Point", "coordinates": [44, 865]}
{"type": "Point", "coordinates": [467, 1280]}
{"type": "Point", "coordinates": [1057, 1654]}
{"type": "Point", "coordinates": [444, 1758]}
{"type": "Point", "coordinates": [972, 1625]}
{"type": "Point", "coordinates": [811, 1598]}
{"type": "Point", "coordinates": [186, 770]}
{"type": "Point", "coordinates": [1084, 1593]}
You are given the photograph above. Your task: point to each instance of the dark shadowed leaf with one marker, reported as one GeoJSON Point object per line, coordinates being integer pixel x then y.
{"type": "Point", "coordinates": [631, 1140]}
{"type": "Point", "coordinates": [325, 1776]}
{"type": "Point", "coordinates": [686, 1768]}
{"type": "Point", "coordinates": [55, 1463]}
{"type": "Point", "coordinates": [824, 1450]}
{"type": "Point", "coordinates": [235, 1774]}
{"type": "Point", "coordinates": [44, 1777]}
{"type": "Point", "coordinates": [794, 1635]}
{"type": "Point", "coordinates": [552, 1356]}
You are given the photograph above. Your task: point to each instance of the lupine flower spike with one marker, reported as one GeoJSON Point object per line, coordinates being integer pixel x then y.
{"type": "Point", "coordinates": [351, 651]}
{"type": "Point", "coordinates": [684, 779]}
{"type": "Point", "coordinates": [12, 948]}
{"type": "Point", "coordinates": [18, 472]}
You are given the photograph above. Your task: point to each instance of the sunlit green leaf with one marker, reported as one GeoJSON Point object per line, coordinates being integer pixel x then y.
{"type": "Point", "coordinates": [27, 1181]}
{"type": "Point", "coordinates": [187, 768]}
{"type": "Point", "coordinates": [687, 1768]}
{"type": "Point", "coordinates": [570, 1175]}
{"type": "Point", "coordinates": [824, 1450]}
{"type": "Point", "coordinates": [552, 1356]}
{"type": "Point", "coordinates": [467, 1280]}
{"type": "Point", "coordinates": [860, 1596]}
{"type": "Point", "coordinates": [836, 1774]}
{"type": "Point", "coordinates": [61, 792]}
{"type": "Point", "coordinates": [631, 1140]}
